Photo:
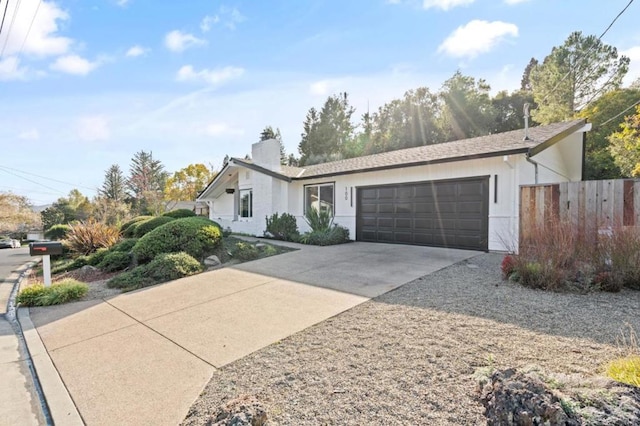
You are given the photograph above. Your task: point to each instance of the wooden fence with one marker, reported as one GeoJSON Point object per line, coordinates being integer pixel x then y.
{"type": "Point", "coordinates": [589, 206]}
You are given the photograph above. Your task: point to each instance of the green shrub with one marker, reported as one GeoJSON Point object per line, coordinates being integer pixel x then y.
{"type": "Point", "coordinates": [65, 265]}
{"type": "Point", "coordinates": [179, 213]}
{"type": "Point", "coordinates": [319, 220]}
{"type": "Point", "coordinates": [115, 261]}
{"type": "Point", "coordinates": [196, 236]}
{"type": "Point", "coordinates": [125, 245]}
{"type": "Point", "coordinates": [87, 237]}
{"type": "Point", "coordinates": [245, 251]}
{"type": "Point", "coordinates": [97, 257]}
{"type": "Point", "coordinates": [64, 291]}
{"type": "Point", "coordinates": [128, 228]}
{"type": "Point", "coordinates": [334, 235]}
{"type": "Point", "coordinates": [79, 262]}
{"type": "Point", "coordinates": [57, 232]}
{"type": "Point", "coordinates": [283, 227]}
{"type": "Point", "coordinates": [226, 232]}
{"type": "Point", "coordinates": [164, 267]}
{"type": "Point", "coordinates": [146, 226]}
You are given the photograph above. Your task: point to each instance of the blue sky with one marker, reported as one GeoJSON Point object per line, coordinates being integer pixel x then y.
{"type": "Point", "coordinates": [94, 81]}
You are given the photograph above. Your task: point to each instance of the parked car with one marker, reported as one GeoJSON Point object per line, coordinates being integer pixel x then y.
{"type": "Point", "coordinates": [16, 243]}
{"type": "Point", "coordinates": [6, 243]}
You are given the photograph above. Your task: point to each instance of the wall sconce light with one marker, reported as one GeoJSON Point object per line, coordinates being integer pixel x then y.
{"type": "Point", "coordinates": [230, 190]}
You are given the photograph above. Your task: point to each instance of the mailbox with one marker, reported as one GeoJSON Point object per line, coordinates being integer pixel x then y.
{"type": "Point", "coordinates": [45, 248]}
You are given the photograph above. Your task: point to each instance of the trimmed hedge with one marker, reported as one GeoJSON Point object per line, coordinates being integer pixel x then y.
{"type": "Point", "coordinates": [164, 267]}
{"type": "Point", "coordinates": [115, 261]}
{"type": "Point", "coordinates": [179, 213]}
{"type": "Point", "coordinates": [57, 232]}
{"type": "Point", "coordinates": [146, 226]}
{"type": "Point", "coordinates": [196, 236]}
{"type": "Point", "coordinates": [95, 258]}
{"type": "Point", "coordinates": [125, 245]}
{"type": "Point", "coordinates": [127, 229]}
{"type": "Point", "coordinates": [335, 235]}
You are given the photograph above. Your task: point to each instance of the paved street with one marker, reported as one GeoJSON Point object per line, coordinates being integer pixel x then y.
{"type": "Point", "coordinates": [19, 404]}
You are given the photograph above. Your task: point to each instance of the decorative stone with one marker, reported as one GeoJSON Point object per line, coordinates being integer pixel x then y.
{"type": "Point", "coordinates": [212, 261]}
{"type": "Point", "coordinates": [244, 410]}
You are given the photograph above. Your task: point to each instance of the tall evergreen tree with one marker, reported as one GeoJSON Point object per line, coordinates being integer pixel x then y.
{"type": "Point", "coordinates": [573, 75]}
{"type": "Point", "coordinates": [114, 185]}
{"type": "Point", "coordinates": [146, 182]}
{"type": "Point", "coordinates": [269, 133]}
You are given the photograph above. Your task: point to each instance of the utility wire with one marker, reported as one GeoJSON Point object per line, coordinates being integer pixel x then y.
{"type": "Point", "coordinates": [619, 114]}
{"type": "Point", "coordinates": [4, 15]}
{"type": "Point", "coordinates": [32, 181]}
{"type": "Point", "coordinates": [47, 178]}
{"type": "Point", "coordinates": [589, 51]}
{"type": "Point", "coordinates": [13, 19]}
{"type": "Point", "coordinates": [15, 65]}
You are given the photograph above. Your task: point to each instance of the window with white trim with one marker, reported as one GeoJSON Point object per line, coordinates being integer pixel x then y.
{"type": "Point", "coordinates": [319, 196]}
{"type": "Point", "coordinates": [245, 206]}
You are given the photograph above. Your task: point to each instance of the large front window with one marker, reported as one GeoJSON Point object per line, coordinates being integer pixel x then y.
{"type": "Point", "coordinates": [319, 196]}
{"type": "Point", "coordinates": [246, 203]}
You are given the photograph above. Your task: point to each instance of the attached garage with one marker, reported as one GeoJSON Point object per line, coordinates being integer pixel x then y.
{"type": "Point", "coordinates": [446, 213]}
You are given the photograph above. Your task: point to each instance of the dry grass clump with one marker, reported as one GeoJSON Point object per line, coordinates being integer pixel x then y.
{"type": "Point", "coordinates": [626, 369]}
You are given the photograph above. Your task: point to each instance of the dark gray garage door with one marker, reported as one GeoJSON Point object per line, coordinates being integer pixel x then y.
{"type": "Point", "coordinates": [451, 213]}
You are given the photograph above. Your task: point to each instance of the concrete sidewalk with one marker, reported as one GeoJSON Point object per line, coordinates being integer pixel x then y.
{"type": "Point", "coordinates": [144, 357]}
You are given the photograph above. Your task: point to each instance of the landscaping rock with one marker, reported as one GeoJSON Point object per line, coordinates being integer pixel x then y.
{"type": "Point", "coordinates": [512, 398]}
{"type": "Point", "coordinates": [87, 269]}
{"type": "Point", "coordinates": [212, 261]}
{"type": "Point", "coordinates": [244, 410]}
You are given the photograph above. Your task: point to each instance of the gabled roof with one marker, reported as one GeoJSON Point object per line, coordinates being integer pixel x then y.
{"type": "Point", "coordinates": [507, 143]}
{"type": "Point", "coordinates": [540, 138]}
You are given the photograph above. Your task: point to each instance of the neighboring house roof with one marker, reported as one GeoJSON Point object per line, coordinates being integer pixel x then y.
{"type": "Point", "coordinates": [507, 143]}
{"type": "Point", "coordinates": [540, 138]}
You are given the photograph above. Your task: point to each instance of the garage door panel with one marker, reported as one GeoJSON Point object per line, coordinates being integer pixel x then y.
{"type": "Point", "coordinates": [439, 213]}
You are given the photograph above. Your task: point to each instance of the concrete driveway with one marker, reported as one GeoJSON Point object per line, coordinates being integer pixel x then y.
{"type": "Point", "coordinates": [144, 357]}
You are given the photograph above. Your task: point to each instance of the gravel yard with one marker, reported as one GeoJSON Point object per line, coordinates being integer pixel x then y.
{"type": "Point", "coordinates": [409, 356]}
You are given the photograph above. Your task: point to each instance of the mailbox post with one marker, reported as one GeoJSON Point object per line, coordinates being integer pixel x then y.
{"type": "Point", "coordinates": [45, 249]}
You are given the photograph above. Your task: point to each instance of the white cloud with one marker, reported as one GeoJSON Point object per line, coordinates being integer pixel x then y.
{"type": "Point", "coordinates": [74, 64]}
{"type": "Point", "coordinates": [325, 87]}
{"type": "Point", "coordinates": [476, 37]}
{"type": "Point", "coordinates": [30, 135]}
{"type": "Point", "coordinates": [632, 53]}
{"type": "Point", "coordinates": [207, 21]}
{"type": "Point", "coordinates": [215, 76]}
{"type": "Point", "coordinates": [122, 3]}
{"type": "Point", "coordinates": [10, 69]}
{"type": "Point", "coordinates": [177, 41]}
{"type": "Point", "coordinates": [136, 50]}
{"type": "Point", "coordinates": [221, 129]}
{"type": "Point", "coordinates": [228, 17]}
{"type": "Point", "coordinates": [93, 128]}
{"type": "Point", "coordinates": [43, 37]}
{"type": "Point", "coordinates": [445, 4]}
{"type": "Point", "coordinates": [515, 1]}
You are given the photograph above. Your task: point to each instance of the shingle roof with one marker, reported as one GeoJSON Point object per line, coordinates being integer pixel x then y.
{"type": "Point", "coordinates": [483, 146]}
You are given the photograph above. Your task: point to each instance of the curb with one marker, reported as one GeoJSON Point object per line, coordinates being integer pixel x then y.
{"type": "Point", "coordinates": [62, 409]}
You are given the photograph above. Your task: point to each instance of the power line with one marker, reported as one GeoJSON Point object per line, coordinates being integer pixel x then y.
{"type": "Point", "coordinates": [32, 181]}
{"type": "Point", "coordinates": [619, 114]}
{"type": "Point", "coordinates": [4, 15]}
{"type": "Point", "coordinates": [589, 51]}
{"type": "Point", "coordinates": [47, 178]}
{"type": "Point", "coordinates": [13, 19]}
{"type": "Point", "coordinates": [27, 35]}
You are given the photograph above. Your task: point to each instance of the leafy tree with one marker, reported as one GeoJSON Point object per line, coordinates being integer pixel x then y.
{"type": "Point", "coordinates": [325, 132]}
{"type": "Point", "coordinates": [75, 206]}
{"type": "Point", "coordinates": [573, 75]}
{"type": "Point", "coordinates": [186, 183]}
{"type": "Point", "coordinates": [109, 211]}
{"type": "Point", "coordinates": [508, 110]}
{"type": "Point", "coordinates": [16, 215]}
{"type": "Point", "coordinates": [405, 123]}
{"type": "Point", "coordinates": [625, 145]}
{"type": "Point", "coordinates": [114, 185]}
{"type": "Point", "coordinates": [599, 163]}
{"type": "Point", "coordinates": [467, 111]}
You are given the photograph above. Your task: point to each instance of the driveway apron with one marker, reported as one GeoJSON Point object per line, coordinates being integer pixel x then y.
{"type": "Point", "coordinates": [144, 357]}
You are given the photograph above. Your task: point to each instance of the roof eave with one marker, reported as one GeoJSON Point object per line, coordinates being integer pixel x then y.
{"type": "Point", "coordinates": [556, 138]}
{"type": "Point", "coordinates": [260, 169]}
{"type": "Point", "coordinates": [522, 150]}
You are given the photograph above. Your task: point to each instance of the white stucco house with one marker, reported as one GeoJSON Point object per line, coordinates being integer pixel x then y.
{"type": "Point", "coordinates": [461, 194]}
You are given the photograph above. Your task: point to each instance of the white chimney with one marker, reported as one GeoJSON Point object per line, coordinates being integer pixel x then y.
{"type": "Point", "coordinates": [266, 154]}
